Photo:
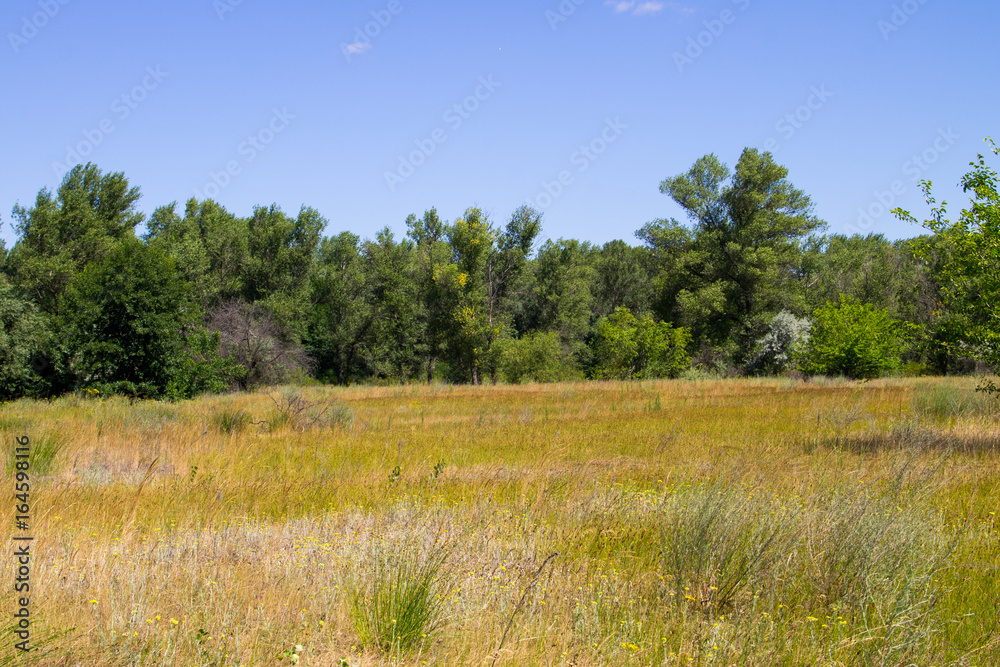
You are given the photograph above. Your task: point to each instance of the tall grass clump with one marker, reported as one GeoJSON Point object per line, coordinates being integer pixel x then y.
{"type": "Point", "coordinates": [868, 549]}
{"type": "Point", "coordinates": [953, 400]}
{"type": "Point", "coordinates": [229, 421]}
{"type": "Point", "coordinates": [332, 415]}
{"type": "Point", "coordinates": [42, 456]}
{"type": "Point", "coordinates": [721, 545]}
{"type": "Point", "coordinates": [873, 557]}
{"type": "Point", "coordinates": [396, 602]}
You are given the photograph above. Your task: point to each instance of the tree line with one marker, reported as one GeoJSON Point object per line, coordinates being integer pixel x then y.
{"type": "Point", "coordinates": [205, 300]}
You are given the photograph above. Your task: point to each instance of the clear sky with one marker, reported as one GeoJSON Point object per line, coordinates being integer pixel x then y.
{"type": "Point", "coordinates": [369, 111]}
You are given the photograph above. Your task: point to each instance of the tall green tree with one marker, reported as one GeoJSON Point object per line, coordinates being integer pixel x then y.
{"type": "Point", "coordinates": [210, 244]}
{"type": "Point", "coordinates": [969, 250]}
{"type": "Point", "coordinates": [477, 284]}
{"type": "Point", "coordinates": [395, 332]}
{"type": "Point", "coordinates": [63, 233]}
{"type": "Point", "coordinates": [129, 321]}
{"type": "Point", "coordinates": [340, 316]}
{"type": "Point", "coordinates": [431, 250]}
{"type": "Point", "coordinates": [281, 253]}
{"type": "Point", "coordinates": [563, 301]}
{"type": "Point", "coordinates": [744, 250]}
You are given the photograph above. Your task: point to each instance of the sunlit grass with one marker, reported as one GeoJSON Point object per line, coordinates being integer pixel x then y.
{"type": "Point", "coordinates": [750, 522]}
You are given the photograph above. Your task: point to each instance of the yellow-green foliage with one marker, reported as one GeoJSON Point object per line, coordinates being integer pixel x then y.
{"type": "Point", "coordinates": [736, 522]}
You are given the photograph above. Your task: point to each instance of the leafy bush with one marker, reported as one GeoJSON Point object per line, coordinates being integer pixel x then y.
{"type": "Point", "coordinates": [536, 357]}
{"type": "Point", "coordinates": [202, 370]}
{"type": "Point", "coordinates": [773, 353]}
{"type": "Point", "coordinates": [627, 347]}
{"type": "Point", "coordinates": [853, 339]}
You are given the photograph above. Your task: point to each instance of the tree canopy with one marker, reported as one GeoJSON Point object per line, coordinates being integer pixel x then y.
{"type": "Point", "coordinates": [206, 299]}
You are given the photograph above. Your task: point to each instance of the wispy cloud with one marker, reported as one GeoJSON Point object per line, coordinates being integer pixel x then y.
{"type": "Point", "coordinates": [646, 8]}
{"type": "Point", "coordinates": [620, 5]}
{"type": "Point", "coordinates": [358, 48]}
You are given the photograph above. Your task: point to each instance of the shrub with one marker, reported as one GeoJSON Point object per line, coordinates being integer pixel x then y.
{"type": "Point", "coordinates": [853, 339]}
{"type": "Point", "coordinates": [639, 348]}
{"type": "Point", "coordinates": [294, 410]}
{"type": "Point", "coordinates": [536, 357]}
{"type": "Point", "coordinates": [773, 353]}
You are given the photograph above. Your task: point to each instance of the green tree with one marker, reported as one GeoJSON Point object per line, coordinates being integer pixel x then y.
{"type": "Point", "coordinates": [210, 245]}
{"type": "Point", "coordinates": [129, 319]}
{"type": "Point", "coordinates": [281, 254]}
{"type": "Point", "coordinates": [431, 251]}
{"type": "Point", "coordinates": [743, 254]}
{"type": "Point", "coordinates": [563, 273]}
{"type": "Point", "coordinates": [968, 250]}
{"type": "Point", "coordinates": [340, 316]}
{"type": "Point", "coordinates": [477, 286]}
{"type": "Point", "coordinates": [23, 334]}
{"type": "Point", "coordinates": [61, 234]}
{"type": "Point", "coordinates": [392, 347]}
{"type": "Point", "coordinates": [853, 339]}
{"type": "Point", "coordinates": [623, 278]}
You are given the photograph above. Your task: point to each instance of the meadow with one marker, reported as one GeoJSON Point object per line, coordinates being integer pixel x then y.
{"type": "Point", "coordinates": [714, 522]}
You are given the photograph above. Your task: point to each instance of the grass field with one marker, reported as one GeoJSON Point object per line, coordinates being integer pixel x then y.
{"type": "Point", "coordinates": [740, 522]}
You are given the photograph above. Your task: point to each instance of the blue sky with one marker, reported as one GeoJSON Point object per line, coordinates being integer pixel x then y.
{"type": "Point", "coordinates": [369, 111]}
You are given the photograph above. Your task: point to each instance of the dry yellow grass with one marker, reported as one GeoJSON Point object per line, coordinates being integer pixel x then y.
{"type": "Point", "coordinates": [163, 539]}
